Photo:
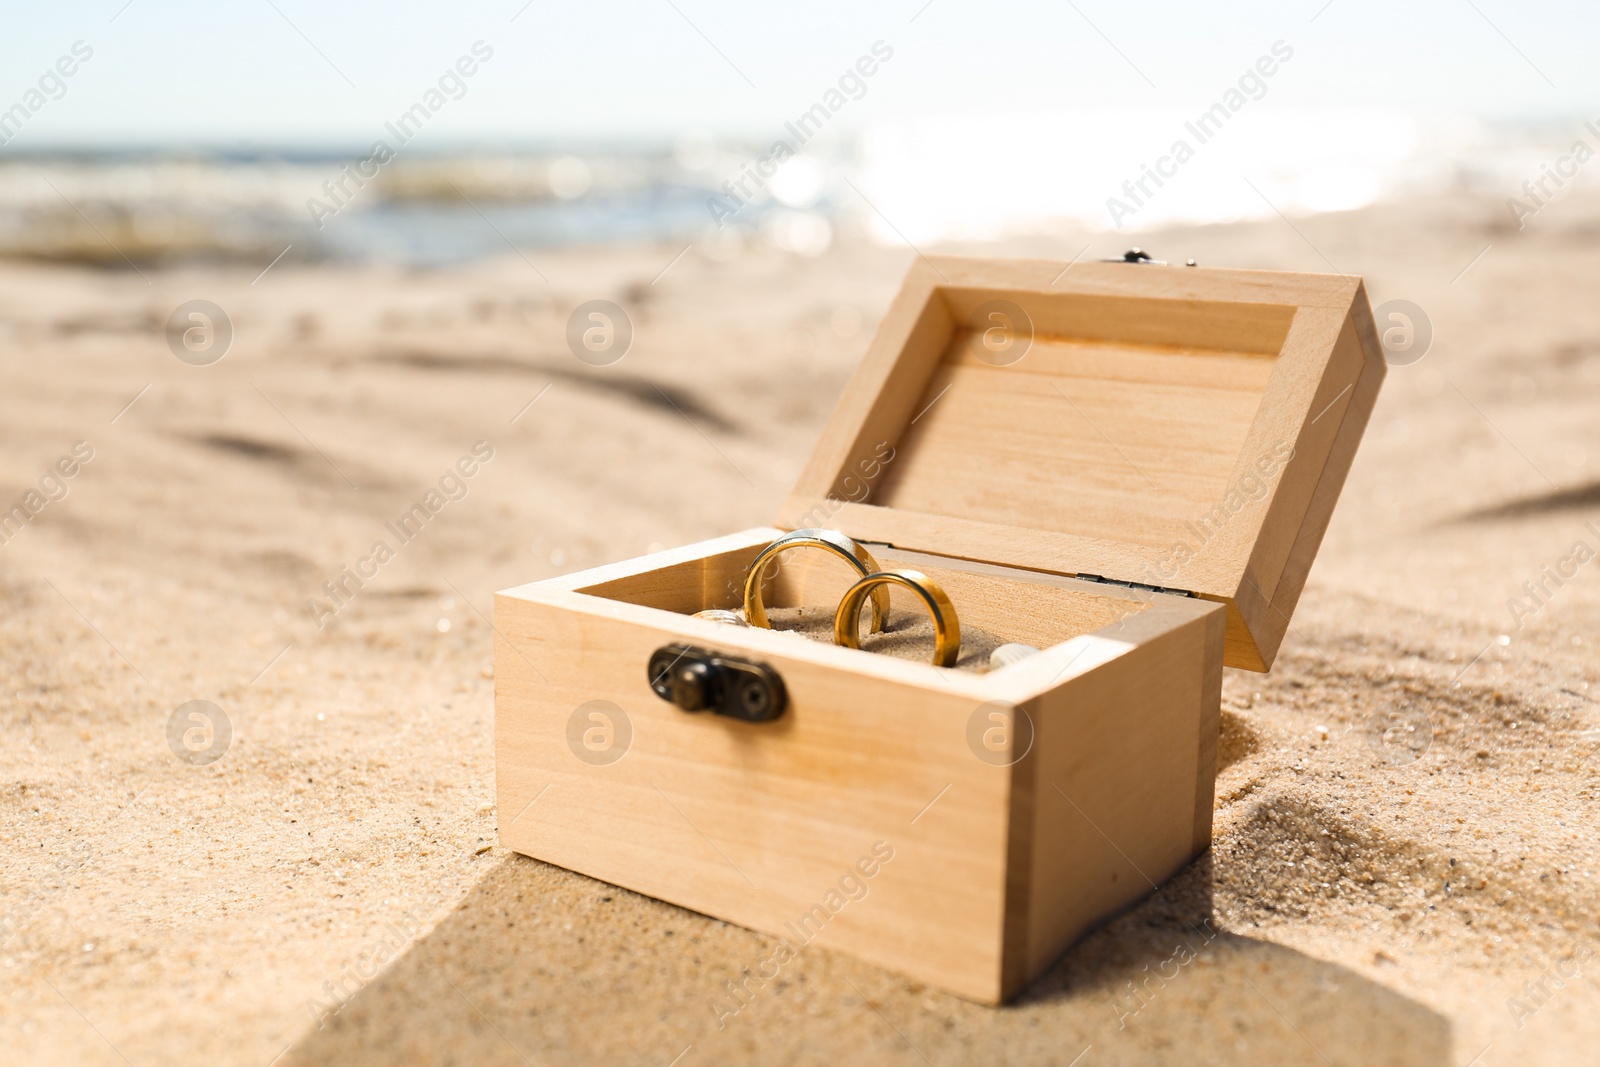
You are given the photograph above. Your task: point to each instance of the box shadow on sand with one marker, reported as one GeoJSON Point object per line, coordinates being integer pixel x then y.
{"type": "Point", "coordinates": [506, 978]}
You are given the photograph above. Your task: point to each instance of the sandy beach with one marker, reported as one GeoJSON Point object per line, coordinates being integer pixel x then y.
{"type": "Point", "coordinates": [1404, 869]}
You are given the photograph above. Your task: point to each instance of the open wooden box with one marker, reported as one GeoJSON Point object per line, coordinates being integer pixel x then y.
{"type": "Point", "coordinates": [1139, 491]}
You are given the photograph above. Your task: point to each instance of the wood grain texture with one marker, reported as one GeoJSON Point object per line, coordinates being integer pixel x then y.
{"type": "Point", "coordinates": [1145, 436]}
{"type": "Point", "coordinates": [1360, 338]}
{"type": "Point", "coordinates": [1117, 442]}
{"type": "Point", "coordinates": [1123, 761]}
{"type": "Point", "coordinates": [878, 401]}
{"type": "Point", "coordinates": [1210, 737]}
{"type": "Point", "coordinates": [757, 824]}
{"type": "Point", "coordinates": [1206, 284]}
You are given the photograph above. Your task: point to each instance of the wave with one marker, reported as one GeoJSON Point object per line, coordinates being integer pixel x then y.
{"type": "Point", "coordinates": [923, 181]}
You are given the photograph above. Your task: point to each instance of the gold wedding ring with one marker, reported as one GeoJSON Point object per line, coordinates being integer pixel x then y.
{"type": "Point", "coordinates": [832, 540]}
{"type": "Point", "coordinates": [946, 627]}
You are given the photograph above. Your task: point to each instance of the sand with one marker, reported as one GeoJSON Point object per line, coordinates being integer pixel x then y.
{"type": "Point", "coordinates": [330, 889]}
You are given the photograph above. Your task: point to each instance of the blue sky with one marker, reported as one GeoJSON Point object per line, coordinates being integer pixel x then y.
{"type": "Point", "coordinates": [297, 72]}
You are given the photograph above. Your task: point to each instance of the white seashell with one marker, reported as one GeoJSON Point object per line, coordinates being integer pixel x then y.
{"type": "Point", "coordinates": [1013, 652]}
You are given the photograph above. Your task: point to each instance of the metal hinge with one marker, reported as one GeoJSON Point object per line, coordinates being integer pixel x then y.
{"type": "Point", "coordinates": [1139, 255]}
{"type": "Point", "coordinates": [1102, 580]}
{"type": "Point", "coordinates": [1099, 578]}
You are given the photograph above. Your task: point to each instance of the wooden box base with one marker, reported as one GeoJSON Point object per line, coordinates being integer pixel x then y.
{"type": "Point", "coordinates": [958, 827]}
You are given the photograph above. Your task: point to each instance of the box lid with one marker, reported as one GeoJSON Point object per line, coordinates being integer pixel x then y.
{"type": "Point", "coordinates": [1175, 427]}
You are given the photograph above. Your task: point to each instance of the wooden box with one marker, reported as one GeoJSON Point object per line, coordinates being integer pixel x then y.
{"type": "Point", "coordinates": [1127, 465]}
